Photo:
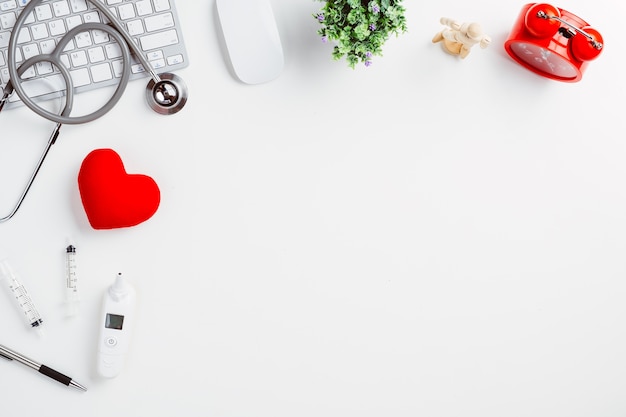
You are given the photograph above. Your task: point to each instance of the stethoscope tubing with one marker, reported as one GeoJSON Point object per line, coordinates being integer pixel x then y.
{"type": "Point", "coordinates": [116, 30]}
{"type": "Point", "coordinates": [20, 200]}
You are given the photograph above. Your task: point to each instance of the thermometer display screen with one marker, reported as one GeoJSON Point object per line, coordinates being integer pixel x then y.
{"type": "Point", "coordinates": [114, 321]}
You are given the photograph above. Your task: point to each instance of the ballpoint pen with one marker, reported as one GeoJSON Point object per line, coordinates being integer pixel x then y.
{"type": "Point", "coordinates": [49, 372]}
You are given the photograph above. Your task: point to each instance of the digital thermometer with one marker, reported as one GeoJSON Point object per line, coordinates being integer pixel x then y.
{"type": "Point", "coordinates": [116, 324]}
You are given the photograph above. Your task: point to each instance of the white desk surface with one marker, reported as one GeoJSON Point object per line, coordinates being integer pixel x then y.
{"type": "Point", "coordinates": [343, 242]}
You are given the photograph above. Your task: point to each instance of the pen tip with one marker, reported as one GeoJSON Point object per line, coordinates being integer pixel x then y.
{"type": "Point", "coordinates": [78, 386]}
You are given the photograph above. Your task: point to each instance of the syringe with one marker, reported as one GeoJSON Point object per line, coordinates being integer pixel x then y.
{"type": "Point", "coordinates": [71, 280]}
{"type": "Point", "coordinates": [18, 291]}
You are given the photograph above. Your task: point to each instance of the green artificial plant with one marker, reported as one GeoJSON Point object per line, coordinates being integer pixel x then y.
{"type": "Point", "coordinates": [360, 27]}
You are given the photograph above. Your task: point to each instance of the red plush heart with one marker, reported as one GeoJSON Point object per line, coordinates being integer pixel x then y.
{"type": "Point", "coordinates": [111, 197]}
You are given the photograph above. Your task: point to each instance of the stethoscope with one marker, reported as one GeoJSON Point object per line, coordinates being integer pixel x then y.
{"type": "Point", "coordinates": [166, 93]}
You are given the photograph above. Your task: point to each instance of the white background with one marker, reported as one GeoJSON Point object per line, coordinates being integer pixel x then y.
{"type": "Point", "coordinates": [428, 236]}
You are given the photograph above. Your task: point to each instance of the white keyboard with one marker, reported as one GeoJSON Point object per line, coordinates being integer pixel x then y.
{"type": "Point", "coordinates": [93, 58]}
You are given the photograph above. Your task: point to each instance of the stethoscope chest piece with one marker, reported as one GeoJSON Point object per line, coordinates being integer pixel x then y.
{"type": "Point", "coordinates": [168, 95]}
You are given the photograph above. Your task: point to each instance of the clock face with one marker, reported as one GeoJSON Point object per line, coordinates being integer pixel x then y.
{"type": "Point", "coordinates": [544, 60]}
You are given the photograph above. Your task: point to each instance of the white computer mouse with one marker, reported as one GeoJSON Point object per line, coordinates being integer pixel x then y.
{"type": "Point", "coordinates": [252, 39]}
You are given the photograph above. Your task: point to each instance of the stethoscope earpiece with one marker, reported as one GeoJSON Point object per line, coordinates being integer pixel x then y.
{"type": "Point", "coordinates": [168, 95]}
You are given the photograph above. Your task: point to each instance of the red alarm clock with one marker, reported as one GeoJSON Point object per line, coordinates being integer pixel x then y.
{"type": "Point", "coordinates": [553, 42]}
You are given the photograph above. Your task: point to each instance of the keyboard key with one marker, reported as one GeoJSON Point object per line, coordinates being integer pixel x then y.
{"type": "Point", "coordinates": [61, 8]}
{"type": "Point", "coordinates": [96, 54]}
{"type": "Point", "coordinates": [80, 77]}
{"type": "Point", "coordinates": [39, 31]}
{"type": "Point", "coordinates": [161, 5]}
{"type": "Point", "coordinates": [78, 5]}
{"type": "Point", "coordinates": [4, 75]}
{"type": "Point", "coordinates": [24, 36]}
{"type": "Point", "coordinates": [29, 73]}
{"type": "Point", "coordinates": [30, 50]}
{"type": "Point", "coordinates": [44, 68]}
{"type": "Point", "coordinates": [30, 18]}
{"type": "Point", "coordinates": [101, 72]}
{"type": "Point", "coordinates": [135, 27]}
{"type": "Point", "coordinates": [159, 40]}
{"type": "Point", "coordinates": [91, 17]}
{"type": "Point", "coordinates": [69, 46]}
{"type": "Point", "coordinates": [83, 40]}
{"type": "Point", "coordinates": [175, 59]}
{"type": "Point", "coordinates": [79, 58]}
{"type": "Point", "coordinates": [126, 11]}
{"type": "Point", "coordinates": [65, 60]}
{"type": "Point", "coordinates": [113, 50]}
{"type": "Point", "coordinates": [118, 67]}
{"type": "Point", "coordinates": [137, 69]}
{"type": "Point", "coordinates": [99, 37]}
{"type": "Point", "coordinates": [154, 55]}
{"type": "Point", "coordinates": [43, 12]}
{"type": "Point", "coordinates": [57, 28]}
{"type": "Point", "coordinates": [143, 7]}
{"type": "Point", "coordinates": [158, 64]}
{"type": "Point", "coordinates": [7, 20]}
{"type": "Point", "coordinates": [47, 46]}
{"type": "Point", "coordinates": [4, 39]}
{"type": "Point", "coordinates": [73, 21]}
{"type": "Point", "coordinates": [8, 5]}
{"type": "Point", "coordinates": [162, 21]}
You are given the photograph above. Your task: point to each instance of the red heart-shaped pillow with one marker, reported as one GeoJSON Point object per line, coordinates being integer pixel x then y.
{"type": "Point", "coordinates": [111, 197]}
